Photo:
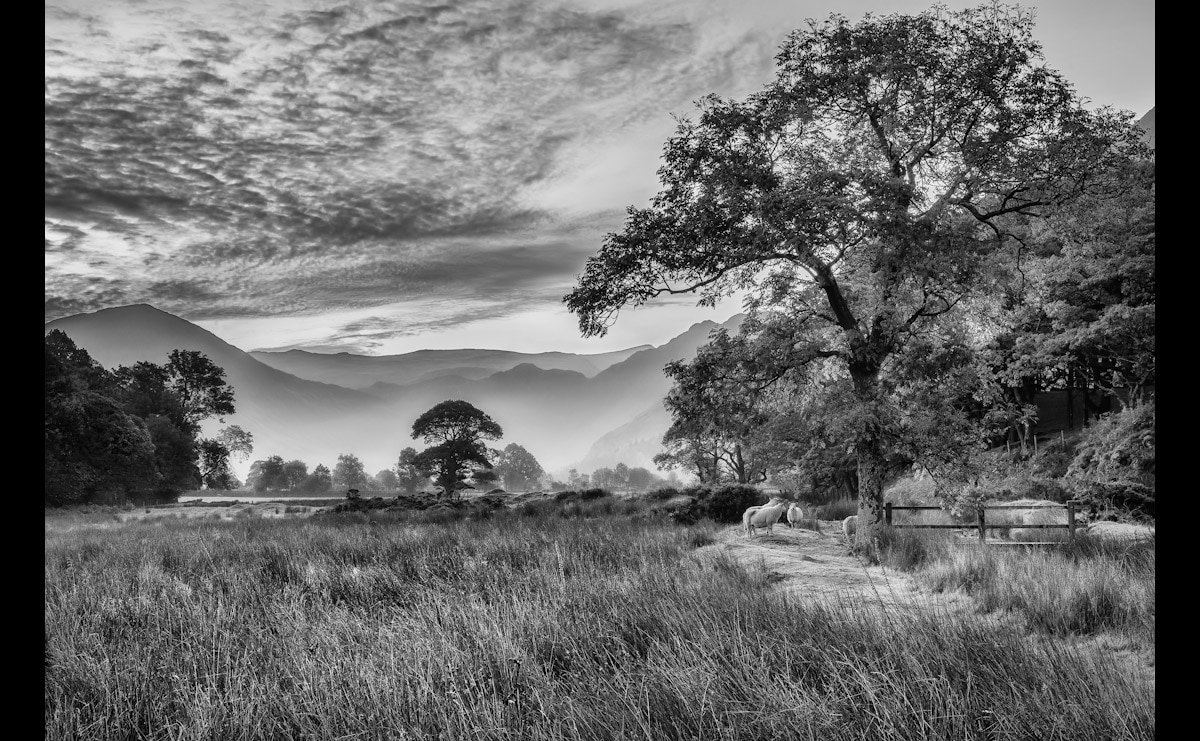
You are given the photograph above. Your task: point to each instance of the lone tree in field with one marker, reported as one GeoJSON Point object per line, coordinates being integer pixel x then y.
{"type": "Point", "coordinates": [459, 429]}
{"type": "Point", "coordinates": [859, 196]}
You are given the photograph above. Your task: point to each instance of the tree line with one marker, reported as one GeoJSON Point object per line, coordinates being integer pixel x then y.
{"type": "Point", "coordinates": [134, 432]}
{"type": "Point", "coordinates": [458, 458]}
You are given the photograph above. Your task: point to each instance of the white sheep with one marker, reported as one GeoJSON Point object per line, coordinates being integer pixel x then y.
{"type": "Point", "coordinates": [794, 515]}
{"type": "Point", "coordinates": [763, 515]}
{"type": "Point", "coordinates": [850, 527]}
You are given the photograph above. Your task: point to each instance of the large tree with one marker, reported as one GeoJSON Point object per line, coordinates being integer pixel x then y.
{"type": "Point", "coordinates": [459, 431]}
{"type": "Point", "coordinates": [174, 399]}
{"type": "Point", "coordinates": [349, 473]}
{"type": "Point", "coordinates": [408, 476]}
{"type": "Point", "coordinates": [267, 475]}
{"type": "Point", "coordinates": [93, 446]}
{"type": "Point", "coordinates": [860, 193]}
{"type": "Point", "coordinates": [517, 468]}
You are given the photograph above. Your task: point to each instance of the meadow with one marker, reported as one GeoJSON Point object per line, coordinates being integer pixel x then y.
{"type": "Point", "coordinates": [582, 622]}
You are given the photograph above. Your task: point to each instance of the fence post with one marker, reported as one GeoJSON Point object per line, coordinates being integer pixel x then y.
{"type": "Point", "coordinates": [887, 513]}
{"type": "Point", "coordinates": [979, 514]}
{"type": "Point", "coordinates": [1071, 519]}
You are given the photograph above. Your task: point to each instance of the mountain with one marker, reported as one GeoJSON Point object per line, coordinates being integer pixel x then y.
{"type": "Point", "coordinates": [275, 407]}
{"type": "Point", "coordinates": [1146, 123]}
{"type": "Point", "coordinates": [361, 371]}
{"type": "Point", "coordinates": [634, 443]}
{"type": "Point", "coordinates": [557, 413]}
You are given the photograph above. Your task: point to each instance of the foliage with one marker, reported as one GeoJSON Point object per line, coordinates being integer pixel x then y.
{"type": "Point", "coordinates": [94, 448]}
{"type": "Point", "coordinates": [1119, 446]}
{"type": "Point", "coordinates": [408, 477]}
{"type": "Point", "coordinates": [348, 473]}
{"type": "Point", "coordinates": [860, 197]}
{"type": "Point", "coordinates": [386, 480]}
{"type": "Point", "coordinates": [215, 472]}
{"type": "Point", "coordinates": [460, 431]}
{"type": "Point", "coordinates": [133, 430]}
{"type": "Point", "coordinates": [175, 455]}
{"type": "Point", "coordinates": [581, 496]}
{"type": "Point", "coordinates": [187, 390]}
{"type": "Point", "coordinates": [317, 482]}
{"type": "Point", "coordinates": [267, 475]}
{"type": "Point", "coordinates": [722, 504]}
{"type": "Point", "coordinates": [1114, 464]}
{"type": "Point", "coordinates": [517, 468]}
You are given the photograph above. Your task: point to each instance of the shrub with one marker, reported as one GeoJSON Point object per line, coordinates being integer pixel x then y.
{"type": "Point", "coordinates": [581, 496]}
{"type": "Point", "coordinates": [911, 491]}
{"type": "Point", "coordinates": [1127, 499]}
{"type": "Point", "coordinates": [1053, 459]}
{"type": "Point", "coordinates": [1051, 490]}
{"type": "Point", "coordinates": [728, 503]}
{"type": "Point", "coordinates": [1120, 446]}
{"type": "Point", "coordinates": [662, 494]}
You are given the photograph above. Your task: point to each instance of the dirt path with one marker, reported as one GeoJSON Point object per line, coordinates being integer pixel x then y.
{"type": "Point", "coordinates": [820, 566]}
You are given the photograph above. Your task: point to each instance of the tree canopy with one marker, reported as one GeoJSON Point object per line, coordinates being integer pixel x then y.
{"type": "Point", "coordinates": [859, 198]}
{"type": "Point", "coordinates": [517, 468]}
{"type": "Point", "coordinates": [132, 430]}
{"type": "Point", "coordinates": [459, 431]}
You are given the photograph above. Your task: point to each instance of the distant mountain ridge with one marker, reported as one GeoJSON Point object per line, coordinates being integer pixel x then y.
{"type": "Point", "coordinates": [560, 414]}
{"type": "Point", "coordinates": [362, 371]}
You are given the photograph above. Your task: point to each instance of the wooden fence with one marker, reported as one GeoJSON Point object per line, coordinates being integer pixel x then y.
{"type": "Point", "coordinates": [981, 520]}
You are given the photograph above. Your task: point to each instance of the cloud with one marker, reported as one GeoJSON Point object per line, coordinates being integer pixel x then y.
{"type": "Point", "coordinates": [292, 159]}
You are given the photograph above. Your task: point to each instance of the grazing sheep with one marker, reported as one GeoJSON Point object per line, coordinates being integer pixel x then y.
{"type": "Point", "coordinates": [763, 515]}
{"type": "Point", "coordinates": [794, 515]}
{"type": "Point", "coordinates": [850, 527]}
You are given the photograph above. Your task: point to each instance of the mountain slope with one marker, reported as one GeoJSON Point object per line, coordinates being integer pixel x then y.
{"type": "Point", "coordinates": [275, 407]}
{"type": "Point", "coordinates": [1146, 123]}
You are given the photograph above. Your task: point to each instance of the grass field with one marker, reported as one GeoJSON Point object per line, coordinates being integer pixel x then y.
{"type": "Point", "coordinates": [363, 626]}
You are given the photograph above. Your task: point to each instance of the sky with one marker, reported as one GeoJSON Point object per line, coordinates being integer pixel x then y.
{"type": "Point", "coordinates": [381, 177]}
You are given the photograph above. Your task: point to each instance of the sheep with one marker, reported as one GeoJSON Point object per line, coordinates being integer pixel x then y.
{"type": "Point", "coordinates": [794, 515]}
{"type": "Point", "coordinates": [850, 527]}
{"type": "Point", "coordinates": [763, 515]}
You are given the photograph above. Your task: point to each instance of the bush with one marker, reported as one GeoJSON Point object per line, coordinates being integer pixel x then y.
{"type": "Point", "coordinates": [728, 503]}
{"type": "Point", "coordinates": [1117, 499]}
{"type": "Point", "coordinates": [662, 494]}
{"type": "Point", "coordinates": [1051, 490]}
{"type": "Point", "coordinates": [1120, 446]}
{"type": "Point", "coordinates": [581, 496]}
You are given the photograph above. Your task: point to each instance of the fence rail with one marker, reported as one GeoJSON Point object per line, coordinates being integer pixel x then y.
{"type": "Point", "coordinates": [981, 519]}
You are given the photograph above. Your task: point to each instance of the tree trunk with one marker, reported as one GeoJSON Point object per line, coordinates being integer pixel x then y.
{"type": "Point", "coordinates": [868, 448]}
{"type": "Point", "coordinates": [870, 489]}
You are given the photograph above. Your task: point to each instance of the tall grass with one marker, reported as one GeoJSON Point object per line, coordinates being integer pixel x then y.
{"type": "Point", "coordinates": [535, 627]}
{"type": "Point", "coordinates": [1089, 586]}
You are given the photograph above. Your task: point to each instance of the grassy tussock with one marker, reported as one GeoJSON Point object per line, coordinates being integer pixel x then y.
{"type": "Point", "coordinates": [1086, 587]}
{"type": "Point", "coordinates": [518, 628]}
